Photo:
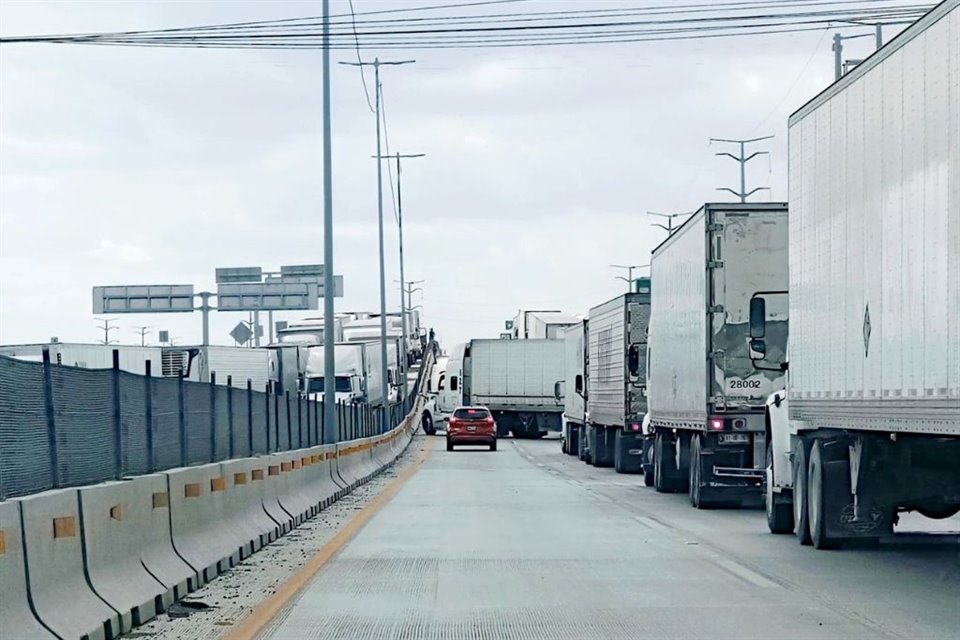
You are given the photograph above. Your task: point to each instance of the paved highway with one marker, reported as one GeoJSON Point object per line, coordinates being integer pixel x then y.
{"type": "Point", "coordinates": [530, 543]}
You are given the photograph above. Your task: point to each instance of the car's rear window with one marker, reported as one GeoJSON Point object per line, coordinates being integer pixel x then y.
{"type": "Point", "coordinates": [471, 414]}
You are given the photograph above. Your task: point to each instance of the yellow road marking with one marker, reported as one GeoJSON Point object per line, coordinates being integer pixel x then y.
{"type": "Point", "coordinates": [253, 625]}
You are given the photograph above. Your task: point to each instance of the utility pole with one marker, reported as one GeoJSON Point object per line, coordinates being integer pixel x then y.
{"type": "Point", "coordinates": [143, 334]}
{"type": "Point", "coordinates": [403, 306]}
{"type": "Point", "coordinates": [669, 216]}
{"type": "Point", "coordinates": [330, 435]}
{"type": "Point", "coordinates": [376, 64]}
{"type": "Point", "coordinates": [407, 287]}
{"type": "Point", "coordinates": [629, 267]}
{"type": "Point", "coordinates": [838, 64]}
{"type": "Point", "coordinates": [743, 159]}
{"type": "Point", "coordinates": [107, 328]}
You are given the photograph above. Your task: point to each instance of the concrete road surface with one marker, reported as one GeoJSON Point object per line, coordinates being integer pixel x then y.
{"type": "Point", "coordinates": [530, 543]}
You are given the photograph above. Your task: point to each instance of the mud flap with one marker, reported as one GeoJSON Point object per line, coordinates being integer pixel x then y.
{"type": "Point", "coordinates": [840, 512]}
{"type": "Point", "coordinates": [628, 452]}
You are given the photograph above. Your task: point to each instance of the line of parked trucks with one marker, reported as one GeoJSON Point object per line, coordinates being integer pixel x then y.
{"type": "Point", "coordinates": [810, 358]}
{"type": "Point", "coordinates": [294, 364]}
{"type": "Point", "coordinates": [806, 357]}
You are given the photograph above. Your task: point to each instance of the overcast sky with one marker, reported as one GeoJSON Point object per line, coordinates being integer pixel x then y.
{"type": "Point", "coordinates": [154, 166]}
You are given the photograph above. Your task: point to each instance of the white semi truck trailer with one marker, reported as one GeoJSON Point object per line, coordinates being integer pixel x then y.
{"type": "Point", "coordinates": [706, 396]}
{"type": "Point", "coordinates": [869, 424]}
{"type": "Point", "coordinates": [572, 390]}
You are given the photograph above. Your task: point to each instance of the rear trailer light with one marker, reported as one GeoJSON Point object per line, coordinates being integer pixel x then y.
{"type": "Point", "coordinates": [635, 426]}
{"type": "Point", "coordinates": [716, 424]}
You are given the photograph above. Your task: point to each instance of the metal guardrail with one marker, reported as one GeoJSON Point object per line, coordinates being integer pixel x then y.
{"type": "Point", "coordinates": [63, 426]}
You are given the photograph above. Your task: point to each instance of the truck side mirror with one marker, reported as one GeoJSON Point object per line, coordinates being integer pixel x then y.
{"type": "Point", "coordinates": [758, 349]}
{"type": "Point", "coordinates": [578, 384]}
{"type": "Point", "coordinates": [633, 361]}
{"type": "Point", "coordinates": [558, 390]}
{"type": "Point", "coordinates": [758, 317]}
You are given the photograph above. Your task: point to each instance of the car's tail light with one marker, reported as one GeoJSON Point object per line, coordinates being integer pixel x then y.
{"type": "Point", "coordinates": [452, 422]}
{"type": "Point", "coordinates": [716, 424]}
{"type": "Point", "coordinates": [488, 420]}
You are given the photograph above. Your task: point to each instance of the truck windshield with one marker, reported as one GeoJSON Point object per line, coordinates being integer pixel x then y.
{"type": "Point", "coordinates": [342, 386]}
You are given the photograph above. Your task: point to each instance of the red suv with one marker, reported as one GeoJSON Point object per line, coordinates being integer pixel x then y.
{"type": "Point", "coordinates": [471, 425]}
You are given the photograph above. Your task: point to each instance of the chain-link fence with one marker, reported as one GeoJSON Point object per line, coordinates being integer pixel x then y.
{"type": "Point", "coordinates": [65, 426]}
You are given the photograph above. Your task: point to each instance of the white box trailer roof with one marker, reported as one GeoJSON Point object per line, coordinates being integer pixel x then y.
{"type": "Point", "coordinates": [90, 356]}
{"type": "Point", "coordinates": [874, 170]}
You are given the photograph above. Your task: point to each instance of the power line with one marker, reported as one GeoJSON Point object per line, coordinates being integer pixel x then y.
{"type": "Point", "coordinates": [363, 77]}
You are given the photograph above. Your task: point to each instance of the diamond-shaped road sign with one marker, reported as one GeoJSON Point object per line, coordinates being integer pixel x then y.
{"type": "Point", "coordinates": [241, 333]}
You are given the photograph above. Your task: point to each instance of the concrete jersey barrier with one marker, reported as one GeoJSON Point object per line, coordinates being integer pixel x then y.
{"type": "Point", "coordinates": [16, 614]}
{"type": "Point", "coordinates": [115, 519]}
{"type": "Point", "coordinates": [62, 599]}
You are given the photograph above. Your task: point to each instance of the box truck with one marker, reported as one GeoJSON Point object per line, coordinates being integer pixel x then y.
{"type": "Point", "coordinates": [357, 371]}
{"type": "Point", "coordinates": [89, 356]}
{"type": "Point", "coordinates": [515, 380]}
{"type": "Point", "coordinates": [541, 325]}
{"type": "Point", "coordinates": [617, 381]}
{"type": "Point", "coordinates": [707, 395]}
{"type": "Point", "coordinates": [309, 331]}
{"type": "Point", "coordinates": [572, 390]}
{"type": "Point", "coordinates": [238, 364]}
{"type": "Point", "coordinates": [869, 424]}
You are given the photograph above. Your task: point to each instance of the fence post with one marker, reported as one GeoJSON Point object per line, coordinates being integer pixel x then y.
{"type": "Point", "coordinates": [320, 417]}
{"type": "Point", "coordinates": [286, 399]}
{"type": "Point", "coordinates": [249, 416]}
{"type": "Point", "coordinates": [51, 418]}
{"type": "Point", "coordinates": [213, 416]}
{"type": "Point", "coordinates": [276, 421]}
{"type": "Point", "coordinates": [148, 413]}
{"type": "Point", "coordinates": [117, 426]}
{"type": "Point", "coordinates": [230, 447]}
{"type": "Point", "coordinates": [266, 400]}
{"type": "Point", "coordinates": [300, 423]}
{"type": "Point", "coordinates": [183, 421]}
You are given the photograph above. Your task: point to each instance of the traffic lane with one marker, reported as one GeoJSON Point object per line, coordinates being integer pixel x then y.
{"type": "Point", "coordinates": [908, 585]}
{"type": "Point", "coordinates": [482, 544]}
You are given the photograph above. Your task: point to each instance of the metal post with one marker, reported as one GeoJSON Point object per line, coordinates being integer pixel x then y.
{"type": "Point", "coordinates": [743, 174]}
{"type": "Point", "coordinates": [385, 385]}
{"type": "Point", "coordinates": [51, 419]}
{"type": "Point", "coordinates": [249, 416]}
{"type": "Point", "coordinates": [256, 328]}
{"type": "Point", "coordinates": [213, 416]}
{"type": "Point", "coordinates": [117, 423]}
{"type": "Point", "coordinates": [231, 452]}
{"type": "Point", "coordinates": [879, 35]}
{"type": "Point", "coordinates": [205, 310]}
{"type": "Point", "coordinates": [329, 370]}
{"type": "Point", "coordinates": [743, 159]}
{"type": "Point", "coordinates": [148, 414]}
{"type": "Point", "coordinates": [837, 56]}
{"type": "Point", "coordinates": [270, 327]}
{"type": "Point", "coordinates": [403, 306]}
{"type": "Point", "coordinates": [184, 458]}
{"type": "Point", "coordinates": [286, 399]}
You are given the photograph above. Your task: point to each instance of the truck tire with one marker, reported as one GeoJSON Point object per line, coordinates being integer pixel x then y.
{"type": "Point", "coordinates": [696, 474]}
{"type": "Point", "coordinates": [602, 454]}
{"type": "Point", "coordinates": [647, 463]}
{"type": "Point", "coordinates": [801, 524]}
{"type": "Point", "coordinates": [664, 468]}
{"type": "Point", "coordinates": [573, 447]}
{"type": "Point", "coordinates": [427, 423]}
{"type": "Point", "coordinates": [582, 446]}
{"type": "Point", "coordinates": [817, 507]}
{"type": "Point", "coordinates": [623, 461]}
{"type": "Point", "coordinates": [779, 509]}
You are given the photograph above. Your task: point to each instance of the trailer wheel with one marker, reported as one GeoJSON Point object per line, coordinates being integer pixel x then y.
{"type": "Point", "coordinates": [816, 501]}
{"type": "Point", "coordinates": [663, 467]}
{"type": "Point", "coordinates": [648, 463]}
{"type": "Point", "coordinates": [582, 445]}
{"type": "Point", "coordinates": [427, 423]}
{"type": "Point", "coordinates": [696, 473]}
{"type": "Point", "coordinates": [779, 511]}
{"type": "Point", "coordinates": [573, 447]}
{"type": "Point", "coordinates": [801, 525]}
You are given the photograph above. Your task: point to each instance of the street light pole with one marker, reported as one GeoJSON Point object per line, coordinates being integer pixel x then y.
{"type": "Point", "coordinates": [403, 307]}
{"type": "Point", "coordinates": [385, 384]}
{"type": "Point", "coordinates": [330, 435]}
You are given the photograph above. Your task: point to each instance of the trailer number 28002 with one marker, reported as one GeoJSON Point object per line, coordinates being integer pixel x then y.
{"type": "Point", "coordinates": [744, 384]}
